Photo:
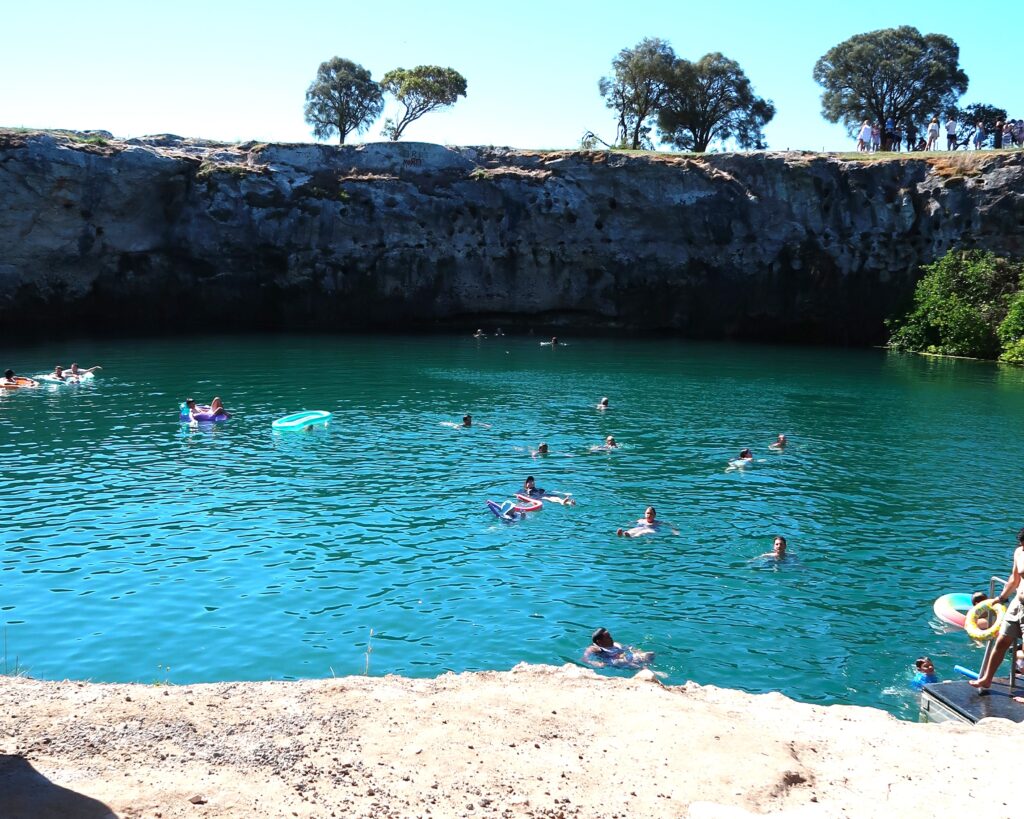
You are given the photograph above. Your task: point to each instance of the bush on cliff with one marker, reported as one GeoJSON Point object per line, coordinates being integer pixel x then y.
{"type": "Point", "coordinates": [1011, 330]}
{"type": "Point", "coordinates": [963, 306]}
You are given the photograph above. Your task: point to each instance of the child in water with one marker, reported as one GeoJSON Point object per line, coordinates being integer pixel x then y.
{"type": "Point", "coordinates": [924, 673]}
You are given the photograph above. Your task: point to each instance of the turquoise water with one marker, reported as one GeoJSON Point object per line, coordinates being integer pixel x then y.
{"type": "Point", "coordinates": [137, 549]}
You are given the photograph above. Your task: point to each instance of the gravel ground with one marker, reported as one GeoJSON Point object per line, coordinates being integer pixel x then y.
{"type": "Point", "coordinates": [537, 741]}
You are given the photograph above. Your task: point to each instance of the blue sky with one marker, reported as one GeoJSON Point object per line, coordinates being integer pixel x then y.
{"type": "Point", "coordinates": [239, 70]}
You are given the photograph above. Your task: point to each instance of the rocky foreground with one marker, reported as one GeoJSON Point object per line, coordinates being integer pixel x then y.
{"type": "Point", "coordinates": [106, 235]}
{"type": "Point", "coordinates": [537, 741]}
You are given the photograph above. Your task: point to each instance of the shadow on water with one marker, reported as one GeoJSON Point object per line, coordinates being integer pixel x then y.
{"type": "Point", "coordinates": [27, 794]}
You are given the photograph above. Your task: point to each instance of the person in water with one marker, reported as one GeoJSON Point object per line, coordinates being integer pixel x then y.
{"type": "Point", "coordinates": [778, 551]}
{"type": "Point", "coordinates": [542, 449]}
{"type": "Point", "coordinates": [604, 651]}
{"type": "Point", "coordinates": [602, 404]}
{"type": "Point", "coordinates": [11, 379]}
{"type": "Point", "coordinates": [479, 334]}
{"type": "Point", "coordinates": [467, 420]}
{"type": "Point", "coordinates": [609, 444]}
{"type": "Point", "coordinates": [647, 525]}
{"type": "Point", "coordinates": [531, 490]}
{"type": "Point", "coordinates": [58, 373]}
{"type": "Point", "coordinates": [745, 455]}
{"type": "Point", "coordinates": [75, 371]}
{"type": "Point", "coordinates": [780, 443]}
{"type": "Point", "coordinates": [217, 408]}
{"type": "Point", "coordinates": [924, 673]}
{"type": "Point", "coordinates": [1010, 631]}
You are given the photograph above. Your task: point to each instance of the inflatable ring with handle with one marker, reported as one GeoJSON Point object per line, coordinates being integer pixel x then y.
{"type": "Point", "coordinates": [990, 609]}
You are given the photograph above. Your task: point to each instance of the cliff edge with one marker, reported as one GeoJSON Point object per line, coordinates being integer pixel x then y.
{"type": "Point", "coordinates": [166, 232]}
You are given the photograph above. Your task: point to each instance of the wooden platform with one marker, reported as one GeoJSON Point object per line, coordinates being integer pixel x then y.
{"type": "Point", "coordinates": [957, 700]}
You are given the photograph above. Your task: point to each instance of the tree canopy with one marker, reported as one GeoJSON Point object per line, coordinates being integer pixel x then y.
{"type": "Point", "coordinates": [343, 98]}
{"type": "Point", "coordinates": [636, 88]}
{"type": "Point", "coordinates": [421, 90]}
{"type": "Point", "coordinates": [711, 100]}
{"type": "Point", "coordinates": [893, 72]}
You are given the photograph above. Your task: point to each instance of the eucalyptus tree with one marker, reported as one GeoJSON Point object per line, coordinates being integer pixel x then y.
{"type": "Point", "coordinates": [894, 72]}
{"type": "Point", "coordinates": [421, 90]}
{"type": "Point", "coordinates": [712, 100]}
{"type": "Point", "coordinates": [343, 98]}
{"type": "Point", "coordinates": [637, 88]}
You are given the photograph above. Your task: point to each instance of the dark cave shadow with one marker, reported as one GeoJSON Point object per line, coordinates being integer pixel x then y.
{"type": "Point", "coordinates": [27, 794]}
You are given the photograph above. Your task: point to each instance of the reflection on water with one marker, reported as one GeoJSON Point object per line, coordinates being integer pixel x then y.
{"type": "Point", "coordinates": [233, 552]}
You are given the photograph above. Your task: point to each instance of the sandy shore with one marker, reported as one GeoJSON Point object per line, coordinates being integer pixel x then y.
{"type": "Point", "coordinates": [537, 741]}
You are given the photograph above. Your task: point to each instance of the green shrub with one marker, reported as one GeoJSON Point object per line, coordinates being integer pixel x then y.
{"type": "Point", "coordinates": [959, 306]}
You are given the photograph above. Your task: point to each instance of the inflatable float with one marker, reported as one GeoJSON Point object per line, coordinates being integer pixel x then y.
{"type": "Point", "coordinates": [68, 378]}
{"type": "Point", "coordinates": [992, 611]}
{"type": "Point", "coordinates": [301, 420]}
{"type": "Point", "coordinates": [952, 608]}
{"type": "Point", "coordinates": [20, 381]}
{"type": "Point", "coordinates": [528, 504]}
{"type": "Point", "coordinates": [506, 510]}
{"type": "Point", "coordinates": [202, 414]}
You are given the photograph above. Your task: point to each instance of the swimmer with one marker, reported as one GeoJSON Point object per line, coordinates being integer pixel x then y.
{"type": "Point", "coordinates": [217, 408]}
{"type": "Point", "coordinates": [609, 444]}
{"type": "Point", "coordinates": [467, 421]}
{"type": "Point", "coordinates": [58, 373]}
{"type": "Point", "coordinates": [479, 334]}
{"type": "Point", "coordinates": [924, 673]}
{"type": "Point", "coordinates": [76, 371]}
{"type": "Point", "coordinates": [498, 332]}
{"type": "Point", "coordinates": [778, 551]}
{"type": "Point", "coordinates": [647, 525]}
{"type": "Point", "coordinates": [604, 651]}
{"type": "Point", "coordinates": [981, 621]}
{"type": "Point", "coordinates": [602, 404]}
{"type": "Point", "coordinates": [745, 455]}
{"type": "Point", "coordinates": [542, 449]}
{"type": "Point", "coordinates": [780, 443]}
{"type": "Point", "coordinates": [531, 490]}
{"type": "Point", "coordinates": [10, 379]}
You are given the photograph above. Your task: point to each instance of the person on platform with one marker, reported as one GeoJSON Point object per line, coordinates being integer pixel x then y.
{"type": "Point", "coordinates": [1010, 631]}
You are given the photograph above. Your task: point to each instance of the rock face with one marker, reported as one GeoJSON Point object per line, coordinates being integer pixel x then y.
{"type": "Point", "coordinates": [164, 232]}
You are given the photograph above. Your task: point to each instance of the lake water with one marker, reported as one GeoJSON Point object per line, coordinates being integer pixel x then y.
{"type": "Point", "coordinates": [138, 549]}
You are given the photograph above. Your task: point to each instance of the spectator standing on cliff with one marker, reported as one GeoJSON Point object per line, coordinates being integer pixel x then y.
{"type": "Point", "coordinates": [864, 136]}
{"type": "Point", "coordinates": [979, 137]}
{"type": "Point", "coordinates": [951, 127]}
{"type": "Point", "coordinates": [897, 137]}
{"type": "Point", "coordinates": [890, 134]}
{"type": "Point", "coordinates": [997, 135]}
{"type": "Point", "coordinates": [933, 135]}
{"type": "Point", "coordinates": [911, 136]}
{"type": "Point", "coordinates": [876, 137]}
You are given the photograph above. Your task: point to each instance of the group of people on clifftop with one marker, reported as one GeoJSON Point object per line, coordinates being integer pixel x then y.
{"type": "Point", "coordinates": [892, 136]}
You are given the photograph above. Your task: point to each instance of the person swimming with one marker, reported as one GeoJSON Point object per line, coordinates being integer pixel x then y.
{"type": "Point", "coordinates": [924, 673]}
{"type": "Point", "coordinates": [778, 551]}
{"type": "Point", "coordinates": [604, 651]}
{"type": "Point", "coordinates": [542, 449]}
{"type": "Point", "coordinates": [77, 372]}
{"type": "Point", "coordinates": [602, 404]}
{"type": "Point", "coordinates": [467, 420]}
{"type": "Point", "coordinates": [647, 525]}
{"type": "Point", "coordinates": [479, 334]}
{"type": "Point", "coordinates": [609, 444]}
{"type": "Point", "coordinates": [745, 455]}
{"type": "Point", "coordinates": [779, 444]}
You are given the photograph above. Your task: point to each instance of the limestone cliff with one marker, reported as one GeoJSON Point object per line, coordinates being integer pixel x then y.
{"type": "Point", "coordinates": [101, 235]}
